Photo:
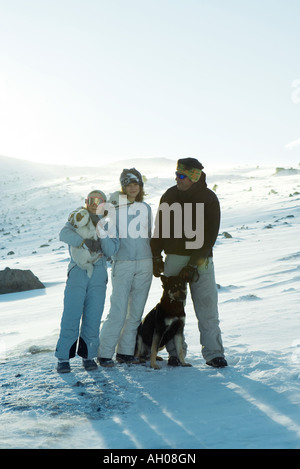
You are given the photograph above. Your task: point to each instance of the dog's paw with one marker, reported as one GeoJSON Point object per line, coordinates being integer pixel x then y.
{"type": "Point", "coordinates": [155, 366]}
{"type": "Point", "coordinates": [186, 364]}
{"type": "Point", "coordinates": [142, 359]}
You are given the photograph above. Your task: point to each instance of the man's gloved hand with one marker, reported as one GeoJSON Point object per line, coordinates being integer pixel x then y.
{"type": "Point", "coordinates": [189, 273]}
{"type": "Point", "coordinates": [158, 266]}
{"type": "Point", "coordinates": [93, 245]}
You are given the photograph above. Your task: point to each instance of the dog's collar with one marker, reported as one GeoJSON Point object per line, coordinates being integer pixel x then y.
{"type": "Point", "coordinates": [167, 297]}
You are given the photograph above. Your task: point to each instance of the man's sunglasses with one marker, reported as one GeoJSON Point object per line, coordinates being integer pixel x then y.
{"type": "Point", "coordinates": [94, 200]}
{"type": "Point", "coordinates": [180, 175]}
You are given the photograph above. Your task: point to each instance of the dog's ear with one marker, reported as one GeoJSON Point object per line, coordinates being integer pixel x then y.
{"type": "Point", "coordinates": [79, 216]}
{"type": "Point", "coordinates": [71, 218]}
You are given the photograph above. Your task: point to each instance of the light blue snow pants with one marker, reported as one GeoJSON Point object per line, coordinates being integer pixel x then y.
{"type": "Point", "coordinates": [83, 302]}
{"type": "Point", "coordinates": [205, 300]}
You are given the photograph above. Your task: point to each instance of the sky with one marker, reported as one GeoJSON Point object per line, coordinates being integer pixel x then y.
{"type": "Point", "coordinates": [89, 82]}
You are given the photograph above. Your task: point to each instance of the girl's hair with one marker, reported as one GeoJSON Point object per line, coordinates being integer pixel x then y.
{"type": "Point", "coordinates": [139, 197]}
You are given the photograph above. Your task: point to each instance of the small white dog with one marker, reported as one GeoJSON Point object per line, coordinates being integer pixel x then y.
{"type": "Point", "coordinates": [82, 222]}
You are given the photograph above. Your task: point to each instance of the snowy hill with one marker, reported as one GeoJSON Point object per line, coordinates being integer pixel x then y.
{"type": "Point", "coordinates": [253, 403]}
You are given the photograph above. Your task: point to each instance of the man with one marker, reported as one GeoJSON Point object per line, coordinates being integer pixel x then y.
{"type": "Point", "coordinates": [84, 297]}
{"type": "Point", "coordinates": [189, 258]}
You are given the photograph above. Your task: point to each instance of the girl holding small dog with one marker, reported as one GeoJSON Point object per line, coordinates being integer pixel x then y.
{"type": "Point", "coordinates": [131, 271]}
{"type": "Point", "coordinates": [84, 294]}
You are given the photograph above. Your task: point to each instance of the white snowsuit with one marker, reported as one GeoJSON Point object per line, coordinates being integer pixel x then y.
{"type": "Point", "coordinates": [131, 279]}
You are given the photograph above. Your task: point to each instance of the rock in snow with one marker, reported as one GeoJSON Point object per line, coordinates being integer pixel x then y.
{"type": "Point", "coordinates": [16, 280]}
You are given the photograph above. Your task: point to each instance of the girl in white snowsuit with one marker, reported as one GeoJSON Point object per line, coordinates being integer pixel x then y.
{"type": "Point", "coordinates": [131, 271]}
{"type": "Point", "coordinates": [84, 296]}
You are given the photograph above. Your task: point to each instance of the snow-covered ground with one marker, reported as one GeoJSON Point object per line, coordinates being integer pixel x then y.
{"type": "Point", "coordinates": [253, 403]}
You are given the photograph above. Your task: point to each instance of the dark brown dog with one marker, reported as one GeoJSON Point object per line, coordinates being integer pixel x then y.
{"type": "Point", "coordinates": [164, 322]}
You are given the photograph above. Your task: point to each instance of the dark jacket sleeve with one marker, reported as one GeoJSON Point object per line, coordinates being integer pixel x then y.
{"type": "Point", "coordinates": [212, 217]}
{"type": "Point", "coordinates": [156, 242]}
